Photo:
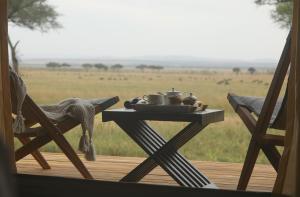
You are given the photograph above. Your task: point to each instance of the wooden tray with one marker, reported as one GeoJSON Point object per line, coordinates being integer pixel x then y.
{"type": "Point", "coordinates": [165, 108]}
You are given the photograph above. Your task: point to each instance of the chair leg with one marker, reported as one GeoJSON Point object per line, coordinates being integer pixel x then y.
{"type": "Point", "coordinates": [36, 154]}
{"type": "Point", "coordinates": [64, 145]}
{"type": "Point", "coordinates": [270, 150]}
{"type": "Point", "coordinates": [33, 145]}
{"type": "Point", "coordinates": [273, 155]}
{"type": "Point", "coordinates": [251, 157]}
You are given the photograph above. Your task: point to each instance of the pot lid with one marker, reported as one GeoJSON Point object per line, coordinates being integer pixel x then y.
{"type": "Point", "coordinates": [173, 91]}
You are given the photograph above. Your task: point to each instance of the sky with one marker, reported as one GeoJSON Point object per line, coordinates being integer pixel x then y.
{"type": "Point", "coordinates": [219, 29]}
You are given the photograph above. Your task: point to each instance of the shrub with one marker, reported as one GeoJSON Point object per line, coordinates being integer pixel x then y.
{"type": "Point", "coordinates": [116, 67]}
{"type": "Point", "coordinates": [66, 65]}
{"type": "Point", "coordinates": [236, 70]}
{"type": "Point", "coordinates": [87, 66]}
{"type": "Point", "coordinates": [53, 65]}
{"type": "Point", "coordinates": [101, 66]}
{"type": "Point", "coordinates": [251, 70]}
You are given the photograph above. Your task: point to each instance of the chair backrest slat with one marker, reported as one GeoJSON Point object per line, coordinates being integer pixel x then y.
{"type": "Point", "coordinates": [275, 88]}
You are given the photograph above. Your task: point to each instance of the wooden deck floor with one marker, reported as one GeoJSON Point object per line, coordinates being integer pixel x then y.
{"type": "Point", "coordinates": [113, 168]}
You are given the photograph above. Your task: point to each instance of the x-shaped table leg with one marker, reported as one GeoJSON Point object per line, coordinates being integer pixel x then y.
{"type": "Point", "coordinates": [164, 153]}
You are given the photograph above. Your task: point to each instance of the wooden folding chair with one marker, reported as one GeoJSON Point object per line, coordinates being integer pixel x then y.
{"type": "Point", "coordinates": [271, 113]}
{"type": "Point", "coordinates": [47, 131]}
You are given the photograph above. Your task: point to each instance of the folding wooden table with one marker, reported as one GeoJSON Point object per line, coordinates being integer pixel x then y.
{"type": "Point", "coordinates": [161, 152]}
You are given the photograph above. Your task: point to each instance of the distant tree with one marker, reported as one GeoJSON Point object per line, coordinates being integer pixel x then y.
{"type": "Point", "coordinates": [236, 70]}
{"type": "Point", "coordinates": [87, 66]}
{"type": "Point", "coordinates": [159, 68]}
{"type": "Point", "coordinates": [33, 15]}
{"type": "Point", "coordinates": [154, 67]}
{"type": "Point", "coordinates": [66, 65]}
{"type": "Point", "coordinates": [141, 67]}
{"type": "Point", "coordinates": [116, 67]}
{"type": "Point", "coordinates": [101, 66]}
{"type": "Point", "coordinates": [53, 65]}
{"type": "Point", "coordinates": [251, 70]}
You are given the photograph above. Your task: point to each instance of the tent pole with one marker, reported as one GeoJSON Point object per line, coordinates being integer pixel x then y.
{"type": "Point", "coordinates": [287, 181]}
{"type": "Point", "coordinates": [5, 101]}
{"type": "Point", "coordinates": [297, 105]}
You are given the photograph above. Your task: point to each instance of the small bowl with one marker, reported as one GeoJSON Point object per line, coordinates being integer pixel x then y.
{"type": "Point", "coordinates": [190, 100]}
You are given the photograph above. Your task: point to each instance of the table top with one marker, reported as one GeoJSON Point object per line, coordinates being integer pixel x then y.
{"type": "Point", "coordinates": [205, 117]}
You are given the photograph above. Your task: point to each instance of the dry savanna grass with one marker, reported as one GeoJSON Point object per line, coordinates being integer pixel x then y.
{"type": "Point", "coordinates": [224, 141]}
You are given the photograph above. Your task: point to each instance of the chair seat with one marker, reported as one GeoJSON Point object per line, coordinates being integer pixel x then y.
{"type": "Point", "coordinates": [57, 115]}
{"type": "Point", "coordinates": [254, 104]}
{"type": "Point", "coordinates": [101, 105]}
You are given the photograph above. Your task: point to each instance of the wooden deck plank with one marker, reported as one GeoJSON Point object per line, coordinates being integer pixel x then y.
{"type": "Point", "coordinates": [113, 168]}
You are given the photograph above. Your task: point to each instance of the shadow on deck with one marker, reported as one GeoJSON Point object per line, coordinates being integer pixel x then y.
{"type": "Point", "coordinates": [113, 168]}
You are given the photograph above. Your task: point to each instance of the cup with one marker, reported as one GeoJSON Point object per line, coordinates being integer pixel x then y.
{"type": "Point", "coordinates": [165, 98]}
{"type": "Point", "coordinates": [154, 99]}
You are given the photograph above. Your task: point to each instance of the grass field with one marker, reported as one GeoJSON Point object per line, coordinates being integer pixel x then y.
{"type": "Point", "coordinates": [225, 141]}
